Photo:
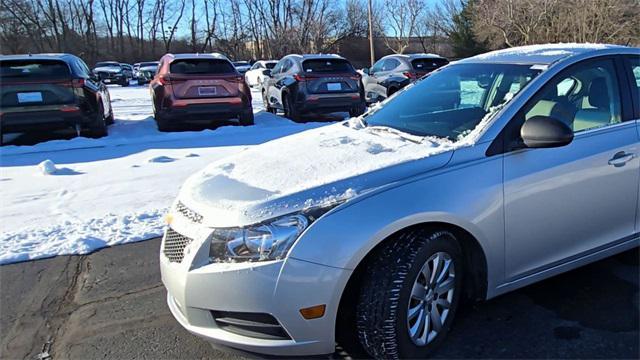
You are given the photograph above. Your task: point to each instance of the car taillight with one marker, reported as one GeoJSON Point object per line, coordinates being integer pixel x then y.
{"type": "Point", "coordinates": [410, 75]}
{"type": "Point", "coordinates": [77, 83]}
{"type": "Point", "coordinates": [299, 77]}
{"type": "Point", "coordinates": [69, 108]}
{"type": "Point", "coordinates": [164, 79]}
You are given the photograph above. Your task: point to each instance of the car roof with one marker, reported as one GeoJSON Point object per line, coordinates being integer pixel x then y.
{"type": "Point", "coordinates": [416, 56]}
{"type": "Point", "coordinates": [197, 56]}
{"type": "Point", "coordinates": [539, 54]}
{"type": "Point", "coordinates": [315, 56]}
{"type": "Point", "coordinates": [44, 56]}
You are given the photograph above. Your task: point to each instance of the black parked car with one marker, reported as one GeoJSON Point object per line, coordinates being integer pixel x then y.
{"type": "Point", "coordinates": [112, 72]}
{"type": "Point", "coordinates": [301, 84]}
{"type": "Point", "coordinates": [52, 92]}
{"type": "Point", "coordinates": [393, 72]}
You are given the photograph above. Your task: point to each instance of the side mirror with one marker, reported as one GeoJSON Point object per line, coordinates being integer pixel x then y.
{"type": "Point", "coordinates": [266, 72]}
{"type": "Point", "coordinates": [366, 71]}
{"type": "Point", "coordinates": [545, 132]}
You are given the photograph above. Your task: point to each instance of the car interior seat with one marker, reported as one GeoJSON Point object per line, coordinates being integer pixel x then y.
{"type": "Point", "coordinates": [596, 110]}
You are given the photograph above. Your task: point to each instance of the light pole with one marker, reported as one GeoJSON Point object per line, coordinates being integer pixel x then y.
{"type": "Point", "coordinates": [371, 50]}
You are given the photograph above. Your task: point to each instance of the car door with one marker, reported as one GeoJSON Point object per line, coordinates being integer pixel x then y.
{"type": "Point", "coordinates": [383, 76]}
{"type": "Point", "coordinates": [278, 82]}
{"type": "Point", "coordinates": [564, 203]}
{"type": "Point", "coordinates": [632, 68]}
{"type": "Point", "coordinates": [370, 82]}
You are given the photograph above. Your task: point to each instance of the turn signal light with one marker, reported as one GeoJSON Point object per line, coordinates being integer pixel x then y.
{"type": "Point", "coordinates": [313, 312]}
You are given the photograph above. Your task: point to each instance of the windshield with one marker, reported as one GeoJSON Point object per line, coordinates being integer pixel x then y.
{"type": "Point", "coordinates": [451, 102]}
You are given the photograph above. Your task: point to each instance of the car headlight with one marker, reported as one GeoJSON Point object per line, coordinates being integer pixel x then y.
{"type": "Point", "coordinates": [267, 241]}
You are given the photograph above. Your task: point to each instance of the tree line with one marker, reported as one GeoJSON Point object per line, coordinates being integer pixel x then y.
{"type": "Point", "coordinates": [135, 30]}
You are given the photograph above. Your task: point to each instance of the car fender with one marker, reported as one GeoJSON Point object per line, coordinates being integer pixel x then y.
{"type": "Point", "coordinates": [344, 236]}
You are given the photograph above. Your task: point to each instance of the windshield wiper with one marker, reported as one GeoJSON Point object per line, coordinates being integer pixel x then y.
{"type": "Point", "coordinates": [405, 135]}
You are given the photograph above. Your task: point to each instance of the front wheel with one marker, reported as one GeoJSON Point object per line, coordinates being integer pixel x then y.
{"type": "Point", "coordinates": [410, 294]}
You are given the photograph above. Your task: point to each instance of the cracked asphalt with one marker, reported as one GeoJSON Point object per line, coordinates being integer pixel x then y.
{"type": "Point", "coordinates": [111, 304]}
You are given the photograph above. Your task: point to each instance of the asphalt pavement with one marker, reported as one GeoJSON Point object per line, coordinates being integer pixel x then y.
{"type": "Point", "coordinates": [111, 305]}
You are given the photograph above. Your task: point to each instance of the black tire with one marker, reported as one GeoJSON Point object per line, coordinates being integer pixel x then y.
{"type": "Point", "coordinates": [109, 119]}
{"type": "Point", "coordinates": [99, 128]}
{"type": "Point", "coordinates": [125, 83]}
{"type": "Point", "coordinates": [358, 110]}
{"type": "Point", "coordinates": [246, 118]}
{"type": "Point", "coordinates": [392, 90]}
{"type": "Point", "coordinates": [267, 107]}
{"type": "Point", "coordinates": [385, 293]}
{"type": "Point", "coordinates": [163, 123]}
{"type": "Point", "coordinates": [290, 111]}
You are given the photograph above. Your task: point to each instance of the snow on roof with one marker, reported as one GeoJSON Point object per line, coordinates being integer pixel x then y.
{"type": "Point", "coordinates": [538, 54]}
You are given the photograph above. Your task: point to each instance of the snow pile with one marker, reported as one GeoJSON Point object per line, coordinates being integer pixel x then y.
{"type": "Point", "coordinates": [47, 167]}
{"type": "Point", "coordinates": [113, 190]}
{"type": "Point", "coordinates": [316, 157]}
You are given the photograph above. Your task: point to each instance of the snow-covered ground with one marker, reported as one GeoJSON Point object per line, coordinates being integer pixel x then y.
{"type": "Point", "coordinates": [94, 193]}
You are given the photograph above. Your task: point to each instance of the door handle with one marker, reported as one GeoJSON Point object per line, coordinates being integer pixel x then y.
{"type": "Point", "coordinates": [621, 158]}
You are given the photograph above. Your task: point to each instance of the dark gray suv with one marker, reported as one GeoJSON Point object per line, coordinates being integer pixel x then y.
{"type": "Point", "coordinates": [393, 72]}
{"type": "Point", "coordinates": [301, 84]}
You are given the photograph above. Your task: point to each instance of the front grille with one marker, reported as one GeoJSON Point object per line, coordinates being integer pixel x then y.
{"type": "Point", "coordinates": [174, 245]}
{"type": "Point", "coordinates": [188, 213]}
{"type": "Point", "coordinates": [255, 325]}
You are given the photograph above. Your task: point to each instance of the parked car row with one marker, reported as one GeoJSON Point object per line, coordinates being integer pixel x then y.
{"type": "Point", "coordinates": [55, 91]}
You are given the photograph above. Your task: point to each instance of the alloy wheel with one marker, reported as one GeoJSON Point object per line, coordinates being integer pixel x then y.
{"type": "Point", "coordinates": [431, 298]}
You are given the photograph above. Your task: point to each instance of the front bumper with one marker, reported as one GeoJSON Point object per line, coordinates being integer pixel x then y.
{"type": "Point", "coordinates": [198, 291]}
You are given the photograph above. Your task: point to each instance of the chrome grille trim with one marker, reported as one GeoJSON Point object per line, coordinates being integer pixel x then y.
{"type": "Point", "coordinates": [188, 213]}
{"type": "Point", "coordinates": [174, 245]}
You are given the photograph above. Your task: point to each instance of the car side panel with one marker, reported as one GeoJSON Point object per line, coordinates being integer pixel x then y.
{"type": "Point", "coordinates": [343, 238]}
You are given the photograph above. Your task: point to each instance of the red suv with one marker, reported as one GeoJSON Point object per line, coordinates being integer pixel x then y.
{"type": "Point", "coordinates": [199, 88]}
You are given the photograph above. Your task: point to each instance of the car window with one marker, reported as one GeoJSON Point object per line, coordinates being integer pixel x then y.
{"type": "Point", "coordinates": [83, 67]}
{"type": "Point", "coordinates": [377, 66]}
{"type": "Point", "coordinates": [635, 70]}
{"type": "Point", "coordinates": [256, 66]}
{"type": "Point", "coordinates": [288, 64]}
{"type": "Point", "coordinates": [390, 64]}
{"type": "Point", "coordinates": [201, 66]}
{"type": "Point", "coordinates": [326, 66]}
{"type": "Point", "coordinates": [270, 65]}
{"type": "Point", "coordinates": [585, 96]}
{"type": "Point", "coordinates": [428, 64]}
{"type": "Point", "coordinates": [278, 68]}
{"type": "Point", "coordinates": [32, 69]}
{"type": "Point", "coordinates": [452, 101]}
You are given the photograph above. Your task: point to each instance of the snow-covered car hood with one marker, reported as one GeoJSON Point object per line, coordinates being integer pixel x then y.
{"type": "Point", "coordinates": [313, 168]}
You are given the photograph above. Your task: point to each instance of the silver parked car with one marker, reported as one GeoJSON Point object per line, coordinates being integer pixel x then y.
{"type": "Point", "coordinates": [490, 174]}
